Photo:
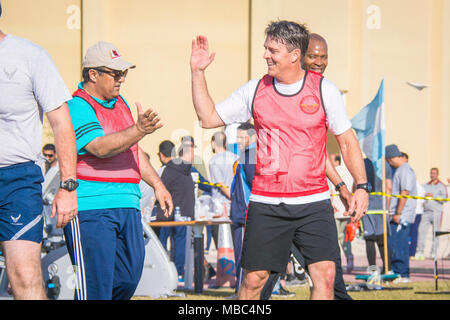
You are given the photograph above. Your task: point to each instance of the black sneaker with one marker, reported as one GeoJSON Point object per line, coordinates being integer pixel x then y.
{"type": "Point", "coordinates": [290, 277]}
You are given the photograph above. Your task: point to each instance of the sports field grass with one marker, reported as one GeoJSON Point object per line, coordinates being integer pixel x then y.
{"type": "Point", "coordinates": [404, 291]}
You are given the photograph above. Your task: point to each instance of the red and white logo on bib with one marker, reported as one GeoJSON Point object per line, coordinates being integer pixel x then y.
{"type": "Point", "coordinates": [310, 104]}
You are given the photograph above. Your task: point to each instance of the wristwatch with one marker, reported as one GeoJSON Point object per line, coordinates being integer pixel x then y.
{"type": "Point", "coordinates": [69, 185]}
{"type": "Point", "coordinates": [365, 186]}
{"type": "Point", "coordinates": [339, 186]}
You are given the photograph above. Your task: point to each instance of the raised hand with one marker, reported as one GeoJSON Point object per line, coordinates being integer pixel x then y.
{"type": "Point", "coordinates": [148, 121]}
{"type": "Point", "coordinates": [200, 57]}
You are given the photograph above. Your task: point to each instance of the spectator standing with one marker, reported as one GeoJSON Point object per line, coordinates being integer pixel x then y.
{"type": "Point", "coordinates": [165, 154]}
{"type": "Point", "coordinates": [198, 164]}
{"type": "Point", "coordinates": [49, 152]}
{"type": "Point", "coordinates": [414, 233]}
{"type": "Point", "coordinates": [221, 172]}
{"type": "Point", "coordinates": [240, 190]}
{"type": "Point", "coordinates": [432, 213]}
{"type": "Point", "coordinates": [30, 86]}
{"type": "Point", "coordinates": [49, 189]}
{"type": "Point", "coordinates": [401, 212]}
{"type": "Point", "coordinates": [221, 169]}
{"type": "Point", "coordinates": [177, 178]}
{"type": "Point", "coordinates": [372, 222]}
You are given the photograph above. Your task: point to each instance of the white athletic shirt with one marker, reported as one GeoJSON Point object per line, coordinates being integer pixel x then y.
{"type": "Point", "coordinates": [30, 85]}
{"type": "Point", "coordinates": [238, 108]}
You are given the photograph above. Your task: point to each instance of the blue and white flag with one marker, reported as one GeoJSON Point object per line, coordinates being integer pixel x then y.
{"type": "Point", "coordinates": [370, 128]}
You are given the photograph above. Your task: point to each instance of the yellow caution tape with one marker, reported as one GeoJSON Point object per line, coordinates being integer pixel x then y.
{"type": "Point", "coordinates": [336, 195]}
{"type": "Point", "coordinates": [211, 184]}
{"type": "Point", "coordinates": [401, 196]}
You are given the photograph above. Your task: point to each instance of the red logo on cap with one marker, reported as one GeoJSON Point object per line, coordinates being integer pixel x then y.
{"type": "Point", "coordinates": [115, 54]}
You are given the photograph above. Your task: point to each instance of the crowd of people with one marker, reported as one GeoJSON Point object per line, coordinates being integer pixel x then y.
{"type": "Point", "coordinates": [406, 229]}
{"type": "Point", "coordinates": [272, 183]}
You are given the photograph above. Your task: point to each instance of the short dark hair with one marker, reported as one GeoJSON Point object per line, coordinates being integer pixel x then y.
{"type": "Point", "coordinates": [292, 34]}
{"type": "Point", "coordinates": [85, 74]}
{"type": "Point", "coordinates": [219, 138]}
{"type": "Point", "coordinates": [49, 146]}
{"type": "Point", "coordinates": [166, 148]}
{"type": "Point", "coordinates": [436, 169]}
{"type": "Point", "coordinates": [247, 126]}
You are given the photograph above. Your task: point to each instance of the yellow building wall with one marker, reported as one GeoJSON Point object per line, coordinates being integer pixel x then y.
{"type": "Point", "coordinates": [55, 26]}
{"type": "Point", "coordinates": [400, 41]}
{"type": "Point", "coordinates": [156, 36]}
{"type": "Point", "coordinates": [368, 40]}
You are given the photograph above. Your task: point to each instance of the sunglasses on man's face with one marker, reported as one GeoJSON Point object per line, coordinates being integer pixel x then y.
{"type": "Point", "coordinates": [116, 74]}
{"type": "Point", "coordinates": [48, 155]}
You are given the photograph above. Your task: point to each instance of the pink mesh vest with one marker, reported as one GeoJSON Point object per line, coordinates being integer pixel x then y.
{"type": "Point", "coordinates": [123, 167]}
{"type": "Point", "coordinates": [292, 137]}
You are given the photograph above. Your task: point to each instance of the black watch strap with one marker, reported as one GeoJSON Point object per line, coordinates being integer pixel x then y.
{"type": "Point", "coordinates": [365, 186]}
{"type": "Point", "coordinates": [339, 186]}
{"type": "Point", "coordinates": [69, 185]}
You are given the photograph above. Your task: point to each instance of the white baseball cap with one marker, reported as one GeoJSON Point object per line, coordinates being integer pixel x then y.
{"type": "Point", "coordinates": [105, 54]}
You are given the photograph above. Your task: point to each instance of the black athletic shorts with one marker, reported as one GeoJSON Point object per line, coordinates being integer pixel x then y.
{"type": "Point", "coordinates": [271, 229]}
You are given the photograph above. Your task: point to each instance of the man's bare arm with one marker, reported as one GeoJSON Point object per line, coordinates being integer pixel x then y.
{"type": "Point", "coordinates": [353, 159]}
{"type": "Point", "coordinates": [117, 142]}
{"type": "Point", "coordinates": [65, 203]}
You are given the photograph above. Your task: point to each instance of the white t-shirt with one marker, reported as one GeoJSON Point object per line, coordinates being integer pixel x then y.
{"type": "Point", "coordinates": [30, 85]}
{"type": "Point", "coordinates": [231, 132]}
{"type": "Point", "coordinates": [238, 108]}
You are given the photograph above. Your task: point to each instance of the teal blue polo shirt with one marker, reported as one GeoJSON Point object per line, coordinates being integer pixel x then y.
{"type": "Point", "coordinates": [95, 194]}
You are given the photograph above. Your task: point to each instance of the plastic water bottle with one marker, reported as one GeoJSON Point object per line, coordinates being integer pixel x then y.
{"type": "Point", "coordinates": [177, 214]}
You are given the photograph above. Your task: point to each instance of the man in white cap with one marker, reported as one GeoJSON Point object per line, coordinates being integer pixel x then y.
{"type": "Point", "coordinates": [30, 85]}
{"type": "Point", "coordinates": [106, 242]}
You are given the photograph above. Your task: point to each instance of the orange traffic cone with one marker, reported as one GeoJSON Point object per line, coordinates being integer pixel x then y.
{"type": "Point", "coordinates": [226, 268]}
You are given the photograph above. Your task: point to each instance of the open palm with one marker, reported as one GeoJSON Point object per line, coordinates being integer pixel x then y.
{"type": "Point", "coordinates": [200, 57]}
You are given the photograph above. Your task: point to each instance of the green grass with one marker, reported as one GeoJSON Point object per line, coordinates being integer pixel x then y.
{"type": "Point", "coordinates": [392, 292]}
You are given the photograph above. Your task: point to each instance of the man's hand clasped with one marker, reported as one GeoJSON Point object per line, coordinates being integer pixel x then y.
{"type": "Point", "coordinates": [358, 205]}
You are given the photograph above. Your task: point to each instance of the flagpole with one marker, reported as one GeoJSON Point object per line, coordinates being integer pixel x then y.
{"type": "Point", "coordinates": [383, 188]}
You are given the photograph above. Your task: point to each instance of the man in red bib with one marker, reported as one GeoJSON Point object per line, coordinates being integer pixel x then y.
{"type": "Point", "coordinates": [292, 110]}
{"type": "Point", "coordinates": [105, 241]}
